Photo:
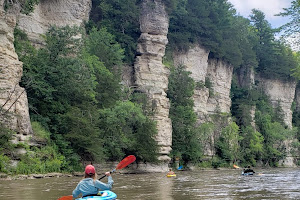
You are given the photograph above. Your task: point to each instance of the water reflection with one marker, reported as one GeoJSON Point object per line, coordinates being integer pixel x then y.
{"type": "Point", "coordinates": [279, 184]}
{"type": "Point", "coordinates": [165, 188]}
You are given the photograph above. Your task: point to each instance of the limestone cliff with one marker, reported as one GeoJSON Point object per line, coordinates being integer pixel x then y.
{"type": "Point", "coordinates": [151, 76]}
{"type": "Point", "coordinates": [281, 93]}
{"type": "Point", "coordinates": [13, 99]}
{"type": "Point", "coordinates": [219, 74]}
{"type": "Point", "coordinates": [54, 12]}
{"type": "Point", "coordinates": [212, 99]}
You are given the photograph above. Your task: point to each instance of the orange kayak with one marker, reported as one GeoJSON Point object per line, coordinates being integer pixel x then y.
{"type": "Point", "coordinates": [236, 167]}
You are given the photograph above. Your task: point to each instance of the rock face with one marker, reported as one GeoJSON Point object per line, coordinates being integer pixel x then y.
{"type": "Point", "coordinates": [219, 73]}
{"type": "Point", "coordinates": [282, 93]}
{"type": "Point", "coordinates": [208, 100]}
{"type": "Point", "coordinates": [196, 61]}
{"type": "Point", "coordinates": [53, 12]}
{"type": "Point", "coordinates": [13, 98]}
{"type": "Point", "coordinates": [151, 76]}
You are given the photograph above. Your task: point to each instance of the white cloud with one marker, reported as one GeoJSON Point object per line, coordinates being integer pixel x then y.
{"type": "Point", "coordinates": [269, 7]}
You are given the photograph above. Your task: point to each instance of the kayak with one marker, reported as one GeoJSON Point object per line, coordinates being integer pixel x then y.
{"type": "Point", "coordinates": [247, 173]}
{"type": "Point", "coordinates": [106, 195]}
{"type": "Point", "coordinates": [171, 175]}
{"type": "Point", "coordinates": [236, 167]}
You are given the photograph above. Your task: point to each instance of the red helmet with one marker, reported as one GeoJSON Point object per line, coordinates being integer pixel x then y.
{"type": "Point", "coordinates": [90, 170]}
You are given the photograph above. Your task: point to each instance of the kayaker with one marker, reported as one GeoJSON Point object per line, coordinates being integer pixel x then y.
{"type": "Point", "coordinates": [90, 186]}
{"type": "Point", "coordinates": [248, 170]}
{"type": "Point", "coordinates": [170, 172]}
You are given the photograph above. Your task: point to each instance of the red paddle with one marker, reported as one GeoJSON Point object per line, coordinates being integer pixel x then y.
{"type": "Point", "coordinates": [126, 161]}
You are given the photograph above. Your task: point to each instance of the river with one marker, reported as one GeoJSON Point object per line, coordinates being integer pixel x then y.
{"type": "Point", "coordinates": [274, 184]}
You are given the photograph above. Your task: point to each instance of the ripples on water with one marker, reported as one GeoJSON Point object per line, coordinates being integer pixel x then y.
{"type": "Point", "coordinates": [277, 184]}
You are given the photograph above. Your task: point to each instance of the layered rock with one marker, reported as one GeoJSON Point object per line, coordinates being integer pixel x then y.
{"type": "Point", "coordinates": [281, 93]}
{"type": "Point", "coordinates": [13, 100]}
{"type": "Point", "coordinates": [297, 98]}
{"type": "Point", "coordinates": [220, 75]}
{"type": "Point", "coordinates": [151, 76]}
{"type": "Point", "coordinates": [54, 12]}
{"type": "Point", "coordinates": [195, 61]}
{"type": "Point", "coordinates": [208, 99]}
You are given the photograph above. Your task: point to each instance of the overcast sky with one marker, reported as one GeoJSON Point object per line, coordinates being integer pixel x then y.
{"type": "Point", "coordinates": [269, 7]}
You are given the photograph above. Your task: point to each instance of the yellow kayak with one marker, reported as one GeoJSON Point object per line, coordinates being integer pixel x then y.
{"type": "Point", "coordinates": [171, 175]}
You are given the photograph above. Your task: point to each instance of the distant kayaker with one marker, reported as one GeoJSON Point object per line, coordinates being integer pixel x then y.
{"type": "Point", "coordinates": [90, 186]}
{"type": "Point", "coordinates": [170, 172]}
{"type": "Point", "coordinates": [249, 170]}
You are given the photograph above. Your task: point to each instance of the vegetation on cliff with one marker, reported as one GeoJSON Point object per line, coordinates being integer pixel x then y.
{"type": "Point", "coordinates": [80, 111]}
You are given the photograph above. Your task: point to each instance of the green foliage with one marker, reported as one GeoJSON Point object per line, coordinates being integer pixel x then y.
{"type": "Point", "coordinates": [292, 28]}
{"type": "Point", "coordinates": [227, 146]}
{"type": "Point", "coordinates": [243, 101]}
{"type": "Point", "coordinates": [181, 87]}
{"type": "Point", "coordinates": [125, 130]}
{"type": "Point", "coordinates": [5, 137]}
{"type": "Point", "coordinates": [275, 60]}
{"type": "Point", "coordinates": [120, 19]}
{"type": "Point", "coordinates": [184, 137]}
{"type": "Point", "coordinates": [251, 146]}
{"type": "Point", "coordinates": [39, 132]}
{"type": "Point", "coordinates": [4, 163]}
{"type": "Point", "coordinates": [103, 45]}
{"type": "Point", "coordinates": [296, 71]}
{"type": "Point", "coordinates": [56, 76]}
{"type": "Point", "coordinates": [274, 134]}
{"type": "Point", "coordinates": [210, 23]}
{"type": "Point", "coordinates": [103, 54]}
{"type": "Point", "coordinates": [80, 128]}
{"type": "Point", "coordinates": [43, 160]}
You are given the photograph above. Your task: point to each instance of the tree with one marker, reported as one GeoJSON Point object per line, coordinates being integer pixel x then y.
{"type": "Point", "coordinates": [184, 137]}
{"type": "Point", "coordinates": [125, 130]}
{"type": "Point", "coordinates": [274, 59]}
{"type": "Point", "coordinates": [227, 146]}
{"type": "Point", "coordinates": [292, 28]}
{"type": "Point", "coordinates": [121, 20]}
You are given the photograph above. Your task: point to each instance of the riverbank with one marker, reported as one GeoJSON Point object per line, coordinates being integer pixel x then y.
{"type": "Point", "coordinates": [4, 176]}
{"type": "Point", "coordinates": [37, 176]}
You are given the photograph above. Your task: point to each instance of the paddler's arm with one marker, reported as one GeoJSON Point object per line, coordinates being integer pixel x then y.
{"type": "Point", "coordinates": [104, 186]}
{"type": "Point", "coordinates": [76, 192]}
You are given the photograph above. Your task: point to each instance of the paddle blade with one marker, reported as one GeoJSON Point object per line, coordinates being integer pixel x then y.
{"type": "Point", "coordinates": [126, 161]}
{"type": "Point", "coordinates": [70, 197]}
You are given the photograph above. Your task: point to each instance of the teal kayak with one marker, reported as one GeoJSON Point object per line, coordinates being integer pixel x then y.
{"type": "Point", "coordinates": [105, 195]}
{"type": "Point", "coordinates": [247, 173]}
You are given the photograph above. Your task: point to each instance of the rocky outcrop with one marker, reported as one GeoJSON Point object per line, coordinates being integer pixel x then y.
{"type": "Point", "coordinates": [220, 75]}
{"type": "Point", "coordinates": [297, 98]}
{"type": "Point", "coordinates": [195, 61]}
{"type": "Point", "coordinates": [54, 12]}
{"type": "Point", "coordinates": [13, 100]}
{"type": "Point", "coordinates": [211, 95]}
{"type": "Point", "coordinates": [281, 93]}
{"type": "Point", "coordinates": [151, 76]}
{"type": "Point", "coordinates": [213, 98]}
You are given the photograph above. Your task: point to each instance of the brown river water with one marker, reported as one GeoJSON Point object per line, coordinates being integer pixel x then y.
{"type": "Point", "coordinates": [274, 184]}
